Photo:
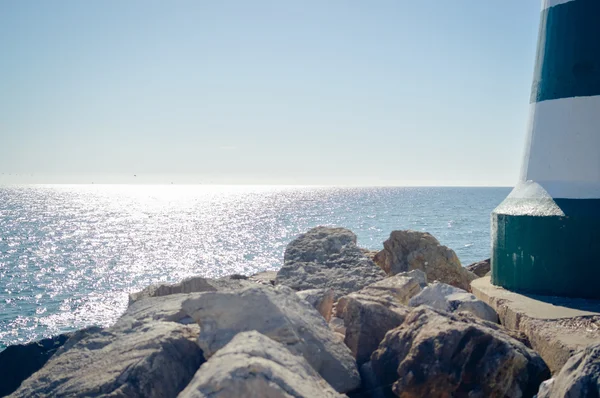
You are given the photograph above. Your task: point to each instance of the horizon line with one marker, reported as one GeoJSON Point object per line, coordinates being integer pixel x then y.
{"type": "Point", "coordinates": [259, 185]}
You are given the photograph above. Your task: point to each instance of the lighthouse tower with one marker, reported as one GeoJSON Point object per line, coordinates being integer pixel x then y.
{"type": "Point", "coordinates": [546, 234]}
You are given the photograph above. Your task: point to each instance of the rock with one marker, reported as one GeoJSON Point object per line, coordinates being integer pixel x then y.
{"type": "Point", "coordinates": [369, 313]}
{"type": "Point", "coordinates": [321, 299]}
{"type": "Point", "coordinates": [367, 320]}
{"type": "Point", "coordinates": [337, 325]}
{"type": "Point", "coordinates": [370, 254]}
{"type": "Point", "coordinates": [452, 299]}
{"type": "Point", "coordinates": [400, 288]}
{"type": "Point", "coordinates": [191, 285]}
{"type": "Point", "coordinates": [327, 258]}
{"type": "Point", "coordinates": [419, 275]}
{"type": "Point", "coordinates": [264, 278]}
{"type": "Point", "coordinates": [253, 365]}
{"type": "Point", "coordinates": [236, 277]}
{"type": "Point", "coordinates": [436, 354]}
{"type": "Point", "coordinates": [396, 290]}
{"type": "Point", "coordinates": [280, 315]}
{"type": "Point", "coordinates": [18, 362]}
{"type": "Point", "coordinates": [408, 250]}
{"type": "Point", "coordinates": [579, 378]}
{"type": "Point", "coordinates": [480, 268]}
{"type": "Point", "coordinates": [147, 353]}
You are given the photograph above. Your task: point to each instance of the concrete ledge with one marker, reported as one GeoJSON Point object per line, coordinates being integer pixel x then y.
{"type": "Point", "coordinates": [556, 327]}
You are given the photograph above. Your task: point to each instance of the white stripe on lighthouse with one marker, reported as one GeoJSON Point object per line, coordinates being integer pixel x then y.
{"type": "Point", "coordinates": [552, 3]}
{"type": "Point", "coordinates": [562, 151]}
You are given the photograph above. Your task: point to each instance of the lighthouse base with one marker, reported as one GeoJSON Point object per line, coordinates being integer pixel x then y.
{"type": "Point", "coordinates": [547, 246]}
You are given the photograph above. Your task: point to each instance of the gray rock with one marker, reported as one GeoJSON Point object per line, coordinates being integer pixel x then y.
{"type": "Point", "coordinates": [399, 288]}
{"type": "Point", "coordinates": [420, 275]}
{"type": "Point", "coordinates": [396, 290]}
{"type": "Point", "coordinates": [337, 325]}
{"type": "Point", "coordinates": [321, 299]}
{"type": "Point", "coordinates": [145, 354]}
{"type": "Point", "coordinates": [369, 313]}
{"type": "Point", "coordinates": [264, 278]}
{"type": "Point", "coordinates": [190, 285]}
{"type": "Point", "coordinates": [408, 250]}
{"type": "Point", "coordinates": [579, 377]}
{"type": "Point", "coordinates": [452, 299]}
{"type": "Point", "coordinates": [480, 268]}
{"type": "Point", "coordinates": [437, 354]}
{"type": "Point", "coordinates": [280, 315]}
{"type": "Point", "coordinates": [18, 362]}
{"type": "Point", "coordinates": [254, 366]}
{"type": "Point", "coordinates": [369, 253]}
{"type": "Point", "coordinates": [367, 319]}
{"type": "Point", "coordinates": [327, 258]}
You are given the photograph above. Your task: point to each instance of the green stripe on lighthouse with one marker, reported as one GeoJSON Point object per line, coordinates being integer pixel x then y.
{"type": "Point", "coordinates": [545, 235]}
{"type": "Point", "coordinates": [568, 53]}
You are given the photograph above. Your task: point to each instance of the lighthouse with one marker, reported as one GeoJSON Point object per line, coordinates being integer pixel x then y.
{"type": "Point", "coordinates": [546, 233]}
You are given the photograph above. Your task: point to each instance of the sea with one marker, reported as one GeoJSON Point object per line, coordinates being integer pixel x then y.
{"type": "Point", "coordinates": [71, 254]}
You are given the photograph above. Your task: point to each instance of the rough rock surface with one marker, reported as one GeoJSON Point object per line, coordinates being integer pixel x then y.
{"type": "Point", "coordinates": [436, 354]}
{"type": "Point", "coordinates": [367, 320]}
{"type": "Point", "coordinates": [480, 268]}
{"type": "Point", "coordinates": [254, 366]}
{"type": "Point", "coordinates": [369, 253]}
{"type": "Point", "coordinates": [147, 353]}
{"type": "Point", "coordinates": [327, 258]}
{"type": "Point", "coordinates": [401, 287]}
{"type": "Point", "coordinates": [369, 313]}
{"type": "Point", "coordinates": [579, 378]}
{"type": "Point", "coordinates": [337, 325]}
{"type": "Point", "coordinates": [191, 285]}
{"type": "Point", "coordinates": [20, 361]}
{"type": "Point", "coordinates": [264, 277]}
{"type": "Point", "coordinates": [281, 315]}
{"type": "Point", "coordinates": [321, 299]}
{"type": "Point", "coordinates": [452, 299]}
{"type": "Point", "coordinates": [420, 275]}
{"type": "Point", "coordinates": [408, 250]}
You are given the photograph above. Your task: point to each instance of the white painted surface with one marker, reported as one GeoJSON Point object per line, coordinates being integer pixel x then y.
{"type": "Point", "coordinates": [552, 3]}
{"type": "Point", "coordinates": [562, 153]}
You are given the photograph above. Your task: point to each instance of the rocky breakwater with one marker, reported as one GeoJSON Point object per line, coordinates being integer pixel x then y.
{"type": "Point", "coordinates": [331, 323]}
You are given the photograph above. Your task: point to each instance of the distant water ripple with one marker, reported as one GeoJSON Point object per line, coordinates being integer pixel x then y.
{"type": "Point", "coordinates": [70, 254]}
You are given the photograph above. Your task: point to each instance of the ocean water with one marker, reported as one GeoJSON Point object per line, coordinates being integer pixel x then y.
{"type": "Point", "coordinates": [69, 255]}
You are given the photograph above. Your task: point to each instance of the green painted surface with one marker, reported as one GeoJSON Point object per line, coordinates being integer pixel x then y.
{"type": "Point", "coordinates": [568, 52]}
{"type": "Point", "coordinates": [550, 254]}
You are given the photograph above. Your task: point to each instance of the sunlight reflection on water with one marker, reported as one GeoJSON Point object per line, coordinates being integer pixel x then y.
{"type": "Point", "coordinates": [70, 254]}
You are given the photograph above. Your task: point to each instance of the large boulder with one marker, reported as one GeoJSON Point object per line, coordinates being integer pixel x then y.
{"type": "Point", "coordinates": [20, 361]}
{"type": "Point", "coordinates": [191, 285]}
{"type": "Point", "coordinates": [480, 268]}
{"type": "Point", "coordinates": [254, 366]}
{"type": "Point", "coordinates": [281, 315]}
{"type": "Point", "coordinates": [369, 313]}
{"type": "Point", "coordinates": [327, 258]}
{"type": "Point", "coordinates": [579, 377]}
{"type": "Point", "coordinates": [436, 354]}
{"type": "Point", "coordinates": [452, 299]}
{"type": "Point", "coordinates": [367, 319]}
{"type": "Point", "coordinates": [147, 353]}
{"type": "Point", "coordinates": [321, 299]}
{"type": "Point", "coordinates": [408, 250]}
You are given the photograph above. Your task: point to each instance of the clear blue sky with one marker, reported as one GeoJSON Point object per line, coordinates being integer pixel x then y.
{"type": "Point", "coordinates": [387, 92]}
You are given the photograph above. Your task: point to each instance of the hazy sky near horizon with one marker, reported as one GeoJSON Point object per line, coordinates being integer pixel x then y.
{"type": "Point", "coordinates": [388, 92]}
